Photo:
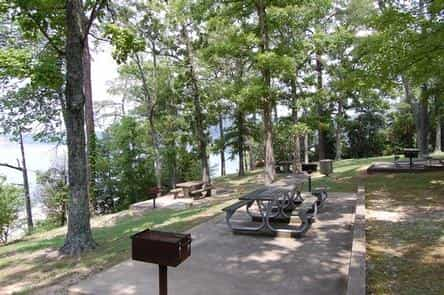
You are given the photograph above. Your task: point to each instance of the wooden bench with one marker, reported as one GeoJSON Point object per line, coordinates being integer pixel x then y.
{"type": "Point", "coordinates": [176, 192]}
{"type": "Point", "coordinates": [196, 194]}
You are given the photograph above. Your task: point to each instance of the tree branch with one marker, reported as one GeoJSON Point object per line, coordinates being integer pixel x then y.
{"type": "Point", "coordinates": [43, 31]}
{"type": "Point", "coordinates": [99, 5]}
{"type": "Point", "coordinates": [11, 166]}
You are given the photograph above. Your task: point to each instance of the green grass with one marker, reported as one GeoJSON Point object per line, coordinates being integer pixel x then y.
{"type": "Point", "coordinates": [405, 226]}
{"type": "Point", "coordinates": [34, 261]}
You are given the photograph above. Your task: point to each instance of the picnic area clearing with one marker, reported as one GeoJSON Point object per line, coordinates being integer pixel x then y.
{"type": "Point", "coordinates": [404, 233]}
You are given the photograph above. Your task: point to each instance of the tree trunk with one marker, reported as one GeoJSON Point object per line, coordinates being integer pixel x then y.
{"type": "Point", "coordinates": [423, 118]}
{"type": "Point", "coordinates": [79, 237]}
{"type": "Point", "coordinates": [26, 185]}
{"type": "Point", "coordinates": [251, 147]}
{"type": "Point", "coordinates": [199, 118]}
{"type": "Point", "coordinates": [322, 135]}
{"type": "Point", "coordinates": [419, 107]}
{"type": "Point", "coordinates": [297, 165]}
{"type": "Point", "coordinates": [90, 130]}
{"type": "Point", "coordinates": [267, 105]}
{"type": "Point", "coordinates": [154, 133]}
{"type": "Point", "coordinates": [240, 142]}
{"type": "Point", "coordinates": [150, 100]}
{"type": "Point", "coordinates": [222, 147]}
{"type": "Point", "coordinates": [438, 121]}
{"type": "Point", "coordinates": [275, 113]}
{"type": "Point", "coordinates": [306, 158]}
{"type": "Point", "coordinates": [438, 147]}
{"type": "Point", "coordinates": [338, 133]}
{"type": "Point", "coordinates": [174, 166]}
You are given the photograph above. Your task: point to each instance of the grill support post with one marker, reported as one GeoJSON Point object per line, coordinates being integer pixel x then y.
{"type": "Point", "coordinates": [163, 280]}
{"type": "Point", "coordinates": [309, 182]}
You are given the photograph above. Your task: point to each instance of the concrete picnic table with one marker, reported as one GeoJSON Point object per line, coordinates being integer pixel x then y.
{"type": "Point", "coordinates": [188, 186]}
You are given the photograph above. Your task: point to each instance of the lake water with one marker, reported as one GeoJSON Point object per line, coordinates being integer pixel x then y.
{"type": "Point", "coordinates": [40, 156]}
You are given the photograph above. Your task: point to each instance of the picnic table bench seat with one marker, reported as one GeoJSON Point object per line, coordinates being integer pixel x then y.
{"type": "Point", "coordinates": [176, 192]}
{"type": "Point", "coordinates": [237, 205]}
{"type": "Point", "coordinates": [308, 209]}
{"type": "Point", "coordinates": [205, 188]}
{"type": "Point", "coordinates": [321, 193]}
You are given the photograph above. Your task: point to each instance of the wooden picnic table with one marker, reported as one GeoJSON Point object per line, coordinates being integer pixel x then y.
{"type": "Point", "coordinates": [189, 186]}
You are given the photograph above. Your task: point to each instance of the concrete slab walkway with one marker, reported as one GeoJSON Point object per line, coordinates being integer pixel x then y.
{"type": "Point", "coordinates": [222, 263]}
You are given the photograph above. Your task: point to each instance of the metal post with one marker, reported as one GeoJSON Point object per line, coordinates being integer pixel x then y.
{"type": "Point", "coordinates": [309, 183]}
{"type": "Point", "coordinates": [163, 280]}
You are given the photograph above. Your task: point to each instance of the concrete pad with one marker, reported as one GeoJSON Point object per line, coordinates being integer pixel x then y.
{"type": "Point", "coordinates": [168, 201]}
{"type": "Point", "coordinates": [223, 263]}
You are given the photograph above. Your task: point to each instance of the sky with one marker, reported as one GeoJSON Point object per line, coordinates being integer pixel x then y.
{"type": "Point", "coordinates": [103, 71]}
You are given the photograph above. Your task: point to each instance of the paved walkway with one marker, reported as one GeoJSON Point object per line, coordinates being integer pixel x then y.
{"type": "Point", "coordinates": [222, 263]}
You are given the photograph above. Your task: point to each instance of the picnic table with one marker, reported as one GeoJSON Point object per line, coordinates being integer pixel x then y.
{"type": "Point", "coordinates": [275, 203]}
{"type": "Point", "coordinates": [194, 187]}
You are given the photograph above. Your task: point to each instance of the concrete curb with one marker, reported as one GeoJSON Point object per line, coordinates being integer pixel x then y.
{"type": "Point", "coordinates": [357, 269]}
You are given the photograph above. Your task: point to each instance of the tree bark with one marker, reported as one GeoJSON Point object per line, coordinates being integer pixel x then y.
{"type": "Point", "coordinates": [420, 112]}
{"type": "Point", "coordinates": [438, 147]}
{"type": "Point", "coordinates": [90, 126]}
{"type": "Point", "coordinates": [338, 133]}
{"type": "Point", "coordinates": [199, 118]}
{"type": "Point", "coordinates": [151, 100]}
{"type": "Point", "coordinates": [297, 165]}
{"type": "Point", "coordinates": [240, 142]}
{"type": "Point", "coordinates": [79, 237]}
{"type": "Point", "coordinates": [251, 147]}
{"type": "Point", "coordinates": [222, 147]}
{"type": "Point", "coordinates": [438, 122]}
{"type": "Point", "coordinates": [321, 131]}
{"type": "Point", "coordinates": [154, 133]}
{"type": "Point", "coordinates": [174, 165]}
{"type": "Point", "coordinates": [423, 118]}
{"type": "Point", "coordinates": [267, 105]}
{"type": "Point", "coordinates": [24, 170]}
{"type": "Point", "coordinates": [306, 158]}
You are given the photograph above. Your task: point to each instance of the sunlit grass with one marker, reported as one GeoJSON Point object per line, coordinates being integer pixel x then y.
{"type": "Point", "coordinates": [34, 261]}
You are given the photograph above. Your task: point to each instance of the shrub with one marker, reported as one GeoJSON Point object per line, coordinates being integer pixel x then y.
{"type": "Point", "coordinates": [10, 197]}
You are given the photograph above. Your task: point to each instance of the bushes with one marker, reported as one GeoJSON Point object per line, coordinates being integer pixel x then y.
{"type": "Point", "coordinates": [10, 200]}
{"type": "Point", "coordinates": [125, 163]}
{"type": "Point", "coordinates": [54, 193]}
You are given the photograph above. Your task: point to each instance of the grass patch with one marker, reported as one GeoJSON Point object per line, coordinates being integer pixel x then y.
{"type": "Point", "coordinates": [405, 226]}
{"type": "Point", "coordinates": [34, 261]}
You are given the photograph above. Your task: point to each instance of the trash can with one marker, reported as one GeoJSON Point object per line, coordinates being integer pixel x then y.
{"type": "Point", "coordinates": [326, 166]}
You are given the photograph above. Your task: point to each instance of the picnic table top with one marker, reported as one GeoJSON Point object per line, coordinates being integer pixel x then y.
{"type": "Point", "coordinates": [268, 193]}
{"type": "Point", "coordinates": [190, 184]}
{"type": "Point", "coordinates": [414, 150]}
{"type": "Point", "coordinates": [286, 162]}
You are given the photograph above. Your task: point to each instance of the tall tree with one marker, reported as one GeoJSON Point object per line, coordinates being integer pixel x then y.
{"type": "Point", "coordinates": [79, 236]}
